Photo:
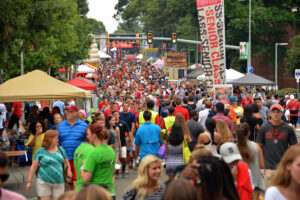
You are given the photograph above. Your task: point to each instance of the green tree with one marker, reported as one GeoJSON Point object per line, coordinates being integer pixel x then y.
{"type": "Point", "coordinates": [53, 32]}
{"type": "Point", "coordinates": [82, 6]}
{"type": "Point", "coordinates": [293, 55]}
{"type": "Point", "coordinates": [128, 27]}
{"type": "Point", "coordinates": [269, 19]}
{"type": "Point", "coordinates": [98, 26]}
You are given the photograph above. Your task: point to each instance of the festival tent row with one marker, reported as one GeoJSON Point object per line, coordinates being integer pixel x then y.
{"type": "Point", "coordinates": [139, 57]}
{"type": "Point", "coordinates": [36, 86]}
{"type": "Point", "coordinates": [159, 63]}
{"type": "Point", "coordinates": [86, 68]}
{"type": "Point", "coordinates": [103, 55]}
{"type": "Point", "coordinates": [251, 79]}
{"type": "Point", "coordinates": [82, 84]}
{"type": "Point", "coordinates": [231, 75]}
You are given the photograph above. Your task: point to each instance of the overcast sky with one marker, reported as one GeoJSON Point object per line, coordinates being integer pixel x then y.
{"type": "Point", "coordinates": [103, 10]}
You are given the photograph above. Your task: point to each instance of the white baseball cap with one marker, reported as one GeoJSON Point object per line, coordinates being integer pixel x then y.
{"type": "Point", "coordinates": [230, 152]}
{"type": "Point", "coordinates": [292, 96]}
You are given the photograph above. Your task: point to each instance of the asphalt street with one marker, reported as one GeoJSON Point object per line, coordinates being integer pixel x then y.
{"type": "Point", "coordinates": [121, 184]}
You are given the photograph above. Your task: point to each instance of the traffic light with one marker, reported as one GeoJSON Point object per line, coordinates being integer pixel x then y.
{"type": "Point", "coordinates": [137, 41]}
{"type": "Point", "coordinates": [174, 38]}
{"type": "Point", "coordinates": [149, 38]}
{"type": "Point", "coordinates": [107, 40]}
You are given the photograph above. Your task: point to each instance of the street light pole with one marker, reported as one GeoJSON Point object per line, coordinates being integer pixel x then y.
{"type": "Point", "coordinates": [22, 60]}
{"type": "Point", "coordinates": [249, 44]}
{"type": "Point", "coordinates": [276, 64]}
{"type": "Point", "coordinates": [249, 39]}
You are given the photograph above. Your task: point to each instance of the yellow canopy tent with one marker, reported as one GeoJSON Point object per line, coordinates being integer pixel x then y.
{"type": "Point", "coordinates": [36, 86]}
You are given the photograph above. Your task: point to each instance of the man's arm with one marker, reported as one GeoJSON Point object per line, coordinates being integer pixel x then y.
{"type": "Point", "coordinates": [137, 149]}
{"type": "Point", "coordinates": [292, 137]}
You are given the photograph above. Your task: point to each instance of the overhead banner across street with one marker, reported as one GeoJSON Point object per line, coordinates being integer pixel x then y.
{"type": "Point", "coordinates": [212, 33]}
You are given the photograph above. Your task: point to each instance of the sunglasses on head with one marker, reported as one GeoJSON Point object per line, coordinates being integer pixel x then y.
{"type": "Point", "coordinates": [4, 177]}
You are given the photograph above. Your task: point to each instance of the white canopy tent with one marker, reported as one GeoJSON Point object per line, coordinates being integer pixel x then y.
{"type": "Point", "coordinates": [231, 74]}
{"type": "Point", "coordinates": [103, 55]}
{"type": "Point", "coordinates": [85, 68]}
{"type": "Point", "coordinates": [139, 57]}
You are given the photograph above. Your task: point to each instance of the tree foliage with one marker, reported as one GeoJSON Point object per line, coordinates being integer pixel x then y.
{"type": "Point", "coordinates": [55, 33]}
{"type": "Point", "coordinates": [269, 19]}
{"type": "Point", "coordinates": [98, 26]}
{"type": "Point", "coordinates": [128, 27]}
{"type": "Point", "coordinates": [293, 55]}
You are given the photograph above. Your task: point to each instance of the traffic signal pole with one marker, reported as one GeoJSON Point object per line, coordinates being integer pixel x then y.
{"type": "Point", "coordinates": [162, 38]}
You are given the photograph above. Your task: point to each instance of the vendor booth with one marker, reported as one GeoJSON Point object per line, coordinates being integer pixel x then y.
{"type": "Point", "coordinates": [36, 86]}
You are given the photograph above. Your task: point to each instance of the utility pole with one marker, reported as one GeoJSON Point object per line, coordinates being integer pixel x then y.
{"type": "Point", "coordinates": [22, 61]}
{"type": "Point", "coordinates": [276, 64]}
{"type": "Point", "coordinates": [196, 61]}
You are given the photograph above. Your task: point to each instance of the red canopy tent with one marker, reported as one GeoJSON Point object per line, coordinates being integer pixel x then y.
{"type": "Point", "coordinates": [131, 57]}
{"type": "Point", "coordinates": [82, 84]}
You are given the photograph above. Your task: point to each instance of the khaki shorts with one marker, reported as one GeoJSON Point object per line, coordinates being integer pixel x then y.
{"type": "Point", "coordinates": [268, 177]}
{"type": "Point", "coordinates": [44, 189]}
{"type": "Point", "coordinates": [124, 152]}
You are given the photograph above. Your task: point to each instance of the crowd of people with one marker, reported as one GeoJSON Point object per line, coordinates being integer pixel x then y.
{"type": "Point", "coordinates": [208, 150]}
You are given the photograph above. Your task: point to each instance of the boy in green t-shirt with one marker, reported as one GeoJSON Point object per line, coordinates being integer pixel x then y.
{"type": "Point", "coordinates": [79, 156]}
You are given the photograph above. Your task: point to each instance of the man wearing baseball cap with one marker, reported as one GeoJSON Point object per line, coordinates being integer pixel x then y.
{"type": "Point", "coordinates": [274, 137]}
{"type": "Point", "coordinates": [239, 169]}
{"type": "Point", "coordinates": [71, 135]}
{"type": "Point", "coordinates": [294, 107]}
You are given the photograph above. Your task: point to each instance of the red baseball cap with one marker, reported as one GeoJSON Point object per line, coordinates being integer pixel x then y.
{"type": "Point", "coordinates": [276, 106]}
{"type": "Point", "coordinates": [166, 95]}
{"type": "Point", "coordinates": [72, 108]}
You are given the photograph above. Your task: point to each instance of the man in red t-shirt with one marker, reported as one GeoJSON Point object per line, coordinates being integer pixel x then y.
{"type": "Point", "coordinates": [17, 113]}
{"type": "Point", "coordinates": [247, 100]}
{"type": "Point", "coordinates": [108, 111]}
{"type": "Point", "coordinates": [179, 109]}
{"type": "Point", "coordinates": [103, 103]}
{"type": "Point", "coordinates": [294, 107]}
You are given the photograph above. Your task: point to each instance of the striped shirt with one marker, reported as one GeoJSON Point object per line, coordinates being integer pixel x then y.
{"type": "Point", "coordinates": [70, 137]}
{"type": "Point", "coordinates": [50, 169]}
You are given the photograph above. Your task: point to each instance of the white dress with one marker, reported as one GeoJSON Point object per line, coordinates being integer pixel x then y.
{"type": "Point", "coordinates": [211, 145]}
{"type": "Point", "coordinates": [273, 193]}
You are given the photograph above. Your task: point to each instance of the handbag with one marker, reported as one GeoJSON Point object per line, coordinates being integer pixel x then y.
{"type": "Point", "coordinates": [186, 152]}
{"type": "Point", "coordinates": [162, 152]}
{"type": "Point", "coordinates": [63, 166]}
{"type": "Point", "coordinates": [130, 195]}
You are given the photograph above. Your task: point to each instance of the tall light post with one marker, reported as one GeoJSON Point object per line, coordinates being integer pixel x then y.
{"type": "Point", "coordinates": [249, 42]}
{"type": "Point", "coordinates": [276, 65]}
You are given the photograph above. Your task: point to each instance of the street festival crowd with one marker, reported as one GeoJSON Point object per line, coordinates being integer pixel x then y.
{"type": "Point", "coordinates": [207, 150]}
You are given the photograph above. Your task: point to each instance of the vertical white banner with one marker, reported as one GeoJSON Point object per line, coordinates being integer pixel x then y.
{"type": "Point", "coordinates": [212, 33]}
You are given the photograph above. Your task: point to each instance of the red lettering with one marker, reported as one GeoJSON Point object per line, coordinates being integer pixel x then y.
{"type": "Point", "coordinates": [217, 81]}
{"type": "Point", "coordinates": [216, 75]}
{"type": "Point", "coordinates": [215, 60]}
{"type": "Point", "coordinates": [211, 26]}
{"type": "Point", "coordinates": [217, 68]}
{"type": "Point", "coordinates": [213, 37]}
{"type": "Point", "coordinates": [210, 19]}
{"type": "Point", "coordinates": [214, 44]}
{"type": "Point", "coordinates": [209, 12]}
{"type": "Point", "coordinates": [215, 53]}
